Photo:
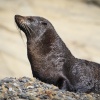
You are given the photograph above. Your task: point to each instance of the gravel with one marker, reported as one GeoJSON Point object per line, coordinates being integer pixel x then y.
{"type": "Point", "coordinates": [32, 89]}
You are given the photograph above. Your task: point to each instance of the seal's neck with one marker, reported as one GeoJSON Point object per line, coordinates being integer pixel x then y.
{"type": "Point", "coordinates": [42, 43]}
{"type": "Point", "coordinates": [48, 43]}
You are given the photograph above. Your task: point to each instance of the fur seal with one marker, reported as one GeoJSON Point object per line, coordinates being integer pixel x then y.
{"type": "Point", "coordinates": [52, 62]}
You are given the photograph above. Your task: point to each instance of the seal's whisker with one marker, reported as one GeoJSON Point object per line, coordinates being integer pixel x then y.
{"type": "Point", "coordinates": [26, 27]}
{"type": "Point", "coordinates": [30, 28]}
{"type": "Point", "coordinates": [20, 33]}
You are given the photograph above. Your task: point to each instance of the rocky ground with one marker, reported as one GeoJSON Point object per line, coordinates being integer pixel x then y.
{"type": "Point", "coordinates": [32, 89]}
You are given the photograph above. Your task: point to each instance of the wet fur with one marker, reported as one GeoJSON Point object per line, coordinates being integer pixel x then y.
{"type": "Point", "coordinates": [52, 62]}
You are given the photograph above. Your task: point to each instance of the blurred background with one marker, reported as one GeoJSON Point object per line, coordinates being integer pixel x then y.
{"type": "Point", "coordinates": [76, 21]}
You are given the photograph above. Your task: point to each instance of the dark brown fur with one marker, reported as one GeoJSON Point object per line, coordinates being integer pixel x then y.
{"type": "Point", "coordinates": [52, 62]}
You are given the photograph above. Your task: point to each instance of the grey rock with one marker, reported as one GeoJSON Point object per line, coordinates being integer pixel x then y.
{"type": "Point", "coordinates": [28, 89]}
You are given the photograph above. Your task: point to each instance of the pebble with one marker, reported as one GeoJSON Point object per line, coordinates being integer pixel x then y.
{"type": "Point", "coordinates": [10, 89]}
{"type": "Point", "coordinates": [26, 88]}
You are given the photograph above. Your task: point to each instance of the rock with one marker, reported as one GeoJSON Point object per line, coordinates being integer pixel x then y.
{"type": "Point", "coordinates": [29, 89]}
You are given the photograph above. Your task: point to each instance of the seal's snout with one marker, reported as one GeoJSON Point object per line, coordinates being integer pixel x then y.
{"type": "Point", "coordinates": [19, 19]}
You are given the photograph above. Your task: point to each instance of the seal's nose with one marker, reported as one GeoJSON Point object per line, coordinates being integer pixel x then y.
{"type": "Point", "coordinates": [19, 18]}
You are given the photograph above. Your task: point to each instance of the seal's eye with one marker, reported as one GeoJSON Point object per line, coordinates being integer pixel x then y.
{"type": "Point", "coordinates": [44, 23]}
{"type": "Point", "coordinates": [30, 19]}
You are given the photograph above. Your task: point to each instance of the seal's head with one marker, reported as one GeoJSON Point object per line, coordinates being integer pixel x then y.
{"type": "Point", "coordinates": [33, 26]}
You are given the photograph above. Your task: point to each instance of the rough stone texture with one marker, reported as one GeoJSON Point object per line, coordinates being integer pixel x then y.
{"type": "Point", "coordinates": [77, 22]}
{"type": "Point", "coordinates": [32, 89]}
